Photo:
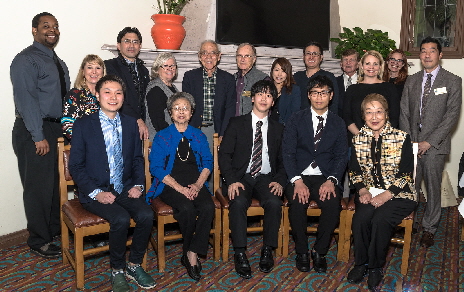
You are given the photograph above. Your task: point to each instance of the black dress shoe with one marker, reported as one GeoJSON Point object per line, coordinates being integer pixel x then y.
{"type": "Point", "coordinates": [242, 266]}
{"type": "Point", "coordinates": [48, 250]}
{"type": "Point", "coordinates": [266, 262]}
{"type": "Point", "coordinates": [427, 239]}
{"type": "Point", "coordinates": [192, 271]}
{"type": "Point", "coordinates": [302, 262]}
{"type": "Point", "coordinates": [319, 262]}
{"type": "Point", "coordinates": [357, 274]}
{"type": "Point", "coordinates": [374, 278]}
{"type": "Point", "coordinates": [199, 264]}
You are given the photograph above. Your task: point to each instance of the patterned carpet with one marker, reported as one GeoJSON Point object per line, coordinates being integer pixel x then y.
{"type": "Point", "coordinates": [439, 268]}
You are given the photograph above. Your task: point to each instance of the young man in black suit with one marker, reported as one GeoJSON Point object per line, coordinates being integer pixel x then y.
{"type": "Point", "coordinates": [250, 158]}
{"type": "Point", "coordinates": [315, 157]}
{"type": "Point", "coordinates": [106, 163]}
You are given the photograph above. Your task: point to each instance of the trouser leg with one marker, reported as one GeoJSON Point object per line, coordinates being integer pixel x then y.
{"type": "Point", "coordinates": [238, 216]}
{"type": "Point", "coordinates": [205, 213]}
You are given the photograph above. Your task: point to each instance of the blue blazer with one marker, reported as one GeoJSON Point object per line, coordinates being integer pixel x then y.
{"type": "Point", "coordinates": [298, 145]}
{"type": "Point", "coordinates": [88, 163]}
{"type": "Point", "coordinates": [224, 99]}
{"type": "Point", "coordinates": [289, 103]}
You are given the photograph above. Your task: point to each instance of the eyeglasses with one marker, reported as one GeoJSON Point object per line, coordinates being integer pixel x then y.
{"type": "Point", "coordinates": [181, 109]}
{"type": "Point", "coordinates": [205, 54]}
{"type": "Point", "coordinates": [128, 41]}
{"type": "Point", "coordinates": [169, 67]}
{"type": "Point", "coordinates": [396, 60]}
{"type": "Point", "coordinates": [244, 56]}
{"type": "Point", "coordinates": [377, 113]}
{"type": "Point", "coordinates": [314, 54]}
{"type": "Point", "coordinates": [323, 93]}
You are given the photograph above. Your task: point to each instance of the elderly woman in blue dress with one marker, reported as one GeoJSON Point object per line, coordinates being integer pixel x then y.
{"type": "Point", "coordinates": [180, 162]}
{"type": "Point", "coordinates": [381, 169]}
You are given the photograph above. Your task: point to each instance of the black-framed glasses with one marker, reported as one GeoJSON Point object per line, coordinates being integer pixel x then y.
{"type": "Point", "coordinates": [314, 54]}
{"type": "Point", "coordinates": [323, 93]}
{"type": "Point", "coordinates": [169, 67]}
{"type": "Point", "coordinates": [396, 60]}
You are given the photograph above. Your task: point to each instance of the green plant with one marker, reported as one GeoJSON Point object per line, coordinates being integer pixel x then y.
{"type": "Point", "coordinates": [361, 41]}
{"type": "Point", "coordinates": [171, 6]}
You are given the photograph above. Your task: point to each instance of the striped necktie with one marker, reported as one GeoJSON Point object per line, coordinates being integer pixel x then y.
{"type": "Point", "coordinates": [317, 137]}
{"type": "Point", "coordinates": [257, 157]}
{"type": "Point", "coordinates": [116, 178]}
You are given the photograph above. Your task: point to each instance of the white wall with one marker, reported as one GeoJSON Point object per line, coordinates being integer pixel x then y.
{"type": "Point", "coordinates": [86, 25]}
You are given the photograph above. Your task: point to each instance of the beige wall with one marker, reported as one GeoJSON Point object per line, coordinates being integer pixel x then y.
{"type": "Point", "coordinates": [87, 25]}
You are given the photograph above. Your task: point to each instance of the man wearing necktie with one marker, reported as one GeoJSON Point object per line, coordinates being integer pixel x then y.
{"type": "Point", "coordinates": [430, 108]}
{"type": "Point", "coordinates": [133, 72]}
{"type": "Point", "coordinates": [315, 157]}
{"type": "Point", "coordinates": [40, 81]}
{"type": "Point", "coordinates": [250, 159]}
{"type": "Point", "coordinates": [107, 166]}
{"type": "Point", "coordinates": [349, 65]}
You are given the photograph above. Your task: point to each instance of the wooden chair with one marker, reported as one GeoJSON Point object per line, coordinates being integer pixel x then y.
{"type": "Point", "coordinates": [164, 214]}
{"type": "Point", "coordinates": [78, 220]}
{"type": "Point", "coordinates": [315, 211]}
{"type": "Point", "coordinates": [254, 210]}
{"type": "Point", "coordinates": [406, 223]}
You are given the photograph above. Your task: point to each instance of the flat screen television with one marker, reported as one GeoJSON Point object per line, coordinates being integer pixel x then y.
{"type": "Point", "coordinates": [273, 23]}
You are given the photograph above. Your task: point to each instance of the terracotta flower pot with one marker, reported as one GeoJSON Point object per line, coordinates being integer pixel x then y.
{"type": "Point", "coordinates": [168, 32]}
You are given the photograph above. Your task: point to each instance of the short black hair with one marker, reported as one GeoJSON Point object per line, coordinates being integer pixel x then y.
{"type": "Point", "coordinates": [110, 78]}
{"type": "Point", "coordinates": [126, 30]}
{"type": "Point", "coordinates": [264, 86]}
{"type": "Point", "coordinates": [312, 43]}
{"type": "Point", "coordinates": [430, 39]}
{"type": "Point", "coordinates": [319, 82]}
{"type": "Point", "coordinates": [36, 19]}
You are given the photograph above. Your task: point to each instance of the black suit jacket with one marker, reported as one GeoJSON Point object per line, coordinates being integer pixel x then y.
{"type": "Point", "coordinates": [134, 105]}
{"type": "Point", "coordinates": [88, 162]}
{"type": "Point", "coordinates": [224, 99]}
{"type": "Point", "coordinates": [237, 145]}
{"type": "Point", "coordinates": [341, 94]}
{"type": "Point", "coordinates": [298, 147]}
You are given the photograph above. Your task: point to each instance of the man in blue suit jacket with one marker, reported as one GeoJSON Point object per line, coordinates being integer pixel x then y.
{"type": "Point", "coordinates": [315, 157]}
{"type": "Point", "coordinates": [214, 85]}
{"type": "Point", "coordinates": [107, 191]}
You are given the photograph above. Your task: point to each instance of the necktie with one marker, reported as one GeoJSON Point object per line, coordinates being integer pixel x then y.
{"type": "Point", "coordinates": [61, 74]}
{"type": "Point", "coordinates": [116, 178]}
{"type": "Point", "coordinates": [348, 83]}
{"type": "Point", "coordinates": [256, 158]}
{"type": "Point", "coordinates": [136, 81]}
{"type": "Point", "coordinates": [427, 88]}
{"type": "Point", "coordinates": [317, 137]}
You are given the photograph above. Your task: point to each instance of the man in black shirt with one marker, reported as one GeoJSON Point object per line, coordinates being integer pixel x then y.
{"type": "Point", "coordinates": [40, 81]}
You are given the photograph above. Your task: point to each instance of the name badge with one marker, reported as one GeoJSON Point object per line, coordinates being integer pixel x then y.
{"type": "Point", "coordinates": [246, 93]}
{"type": "Point", "coordinates": [439, 91]}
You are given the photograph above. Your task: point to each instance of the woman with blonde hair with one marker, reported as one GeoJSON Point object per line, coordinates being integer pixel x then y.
{"type": "Point", "coordinates": [371, 68]}
{"type": "Point", "coordinates": [81, 99]}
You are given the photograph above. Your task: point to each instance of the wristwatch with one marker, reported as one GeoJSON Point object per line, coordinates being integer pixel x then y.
{"type": "Point", "coordinates": [333, 180]}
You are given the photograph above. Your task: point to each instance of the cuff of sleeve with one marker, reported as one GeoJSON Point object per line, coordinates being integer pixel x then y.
{"type": "Point", "coordinates": [295, 178]}
{"type": "Point", "coordinates": [93, 195]}
{"type": "Point", "coordinates": [394, 190]}
{"type": "Point", "coordinates": [359, 186]}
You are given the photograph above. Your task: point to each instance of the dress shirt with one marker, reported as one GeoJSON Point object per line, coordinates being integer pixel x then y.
{"type": "Point", "coordinates": [209, 87]}
{"type": "Point", "coordinates": [37, 88]}
{"type": "Point", "coordinates": [424, 79]}
{"type": "Point", "coordinates": [266, 165]}
{"type": "Point", "coordinates": [354, 79]}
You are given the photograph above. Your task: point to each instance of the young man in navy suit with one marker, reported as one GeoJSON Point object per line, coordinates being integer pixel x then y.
{"type": "Point", "coordinates": [315, 157]}
{"type": "Point", "coordinates": [106, 163]}
{"type": "Point", "coordinates": [250, 158]}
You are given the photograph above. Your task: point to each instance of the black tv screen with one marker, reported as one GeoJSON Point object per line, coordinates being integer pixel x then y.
{"type": "Point", "coordinates": [273, 23]}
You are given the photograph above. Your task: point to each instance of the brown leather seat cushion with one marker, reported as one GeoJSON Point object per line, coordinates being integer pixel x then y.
{"type": "Point", "coordinates": [224, 200]}
{"type": "Point", "coordinates": [79, 216]}
{"type": "Point", "coordinates": [162, 209]}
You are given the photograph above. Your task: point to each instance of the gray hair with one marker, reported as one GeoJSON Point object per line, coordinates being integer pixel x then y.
{"type": "Point", "coordinates": [160, 60]}
{"type": "Point", "coordinates": [247, 44]}
{"type": "Point", "coordinates": [179, 95]}
{"type": "Point", "coordinates": [212, 42]}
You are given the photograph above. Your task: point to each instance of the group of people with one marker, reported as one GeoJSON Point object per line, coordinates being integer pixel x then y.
{"type": "Point", "coordinates": [282, 134]}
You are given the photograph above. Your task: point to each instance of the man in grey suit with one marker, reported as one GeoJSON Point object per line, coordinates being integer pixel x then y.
{"type": "Point", "coordinates": [430, 108]}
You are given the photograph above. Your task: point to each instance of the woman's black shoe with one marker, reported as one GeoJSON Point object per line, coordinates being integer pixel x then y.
{"type": "Point", "coordinates": [192, 271]}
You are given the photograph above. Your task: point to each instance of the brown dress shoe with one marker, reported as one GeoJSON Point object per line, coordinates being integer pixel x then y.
{"type": "Point", "coordinates": [427, 239]}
